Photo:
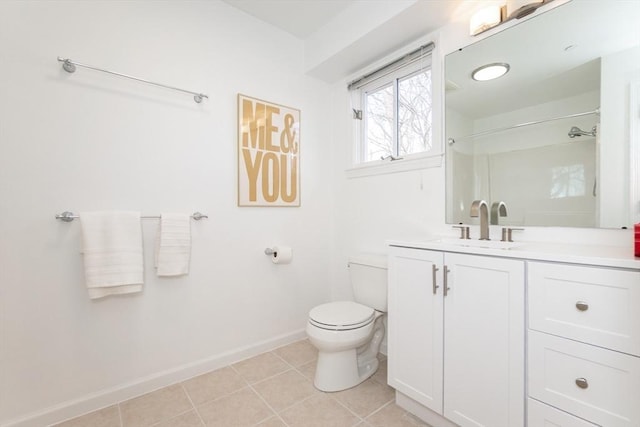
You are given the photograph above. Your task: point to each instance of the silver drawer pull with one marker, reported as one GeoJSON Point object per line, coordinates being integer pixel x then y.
{"type": "Point", "coordinates": [434, 269]}
{"type": "Point", "coordinates": [445, 280]}
{"type": "Point", "coordinates": [582, 383]}
{"type": "Point", "coordinates": [582, 306]}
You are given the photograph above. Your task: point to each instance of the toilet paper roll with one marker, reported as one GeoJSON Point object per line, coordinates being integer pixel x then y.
{"type": "Point", "coordinates": [281, 255]}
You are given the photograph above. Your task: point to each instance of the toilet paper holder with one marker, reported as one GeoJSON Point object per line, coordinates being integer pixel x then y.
{"type": "Point", "coordinates": [270, 251]}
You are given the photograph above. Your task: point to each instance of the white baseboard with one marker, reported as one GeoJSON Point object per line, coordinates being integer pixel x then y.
{"type": "Point", "coordinates": [101, 399]}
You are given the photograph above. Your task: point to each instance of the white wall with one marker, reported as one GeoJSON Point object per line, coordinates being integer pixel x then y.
{"type": "Point", "coordinates": [90, 141]}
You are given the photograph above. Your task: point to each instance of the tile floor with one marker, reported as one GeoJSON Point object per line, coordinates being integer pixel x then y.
{"type": "Point", "coordinates": [273, 389]}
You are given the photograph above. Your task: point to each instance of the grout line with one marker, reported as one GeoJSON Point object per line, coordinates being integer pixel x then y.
{"type": "Point", "coordinates": [290, 368]}
{"type": "Point", "coordinates": [332, 396]}
{"type": "Point", "coordinates": [379, 409]}
{"type": "Point", "coordinates": [192, 404]}
{"type": "Point", "coordinates": [276, 413]}
{"type": "Point", "coordinates": [120, 414]}
{"type": "Point", "coordinates": [282, 358]}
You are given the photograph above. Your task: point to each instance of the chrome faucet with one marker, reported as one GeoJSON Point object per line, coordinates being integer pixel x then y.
{"type": "Point", "coordinates": [497, 209]}
{"type": "Point", "coordinates": [479, 208]}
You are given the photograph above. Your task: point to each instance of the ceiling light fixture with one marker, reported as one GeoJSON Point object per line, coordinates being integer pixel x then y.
{"type": "Point", "coordinates": [490, 71]}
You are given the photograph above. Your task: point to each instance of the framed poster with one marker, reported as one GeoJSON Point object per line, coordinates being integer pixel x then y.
{"type": "Point", "coordinates": [268, 153]}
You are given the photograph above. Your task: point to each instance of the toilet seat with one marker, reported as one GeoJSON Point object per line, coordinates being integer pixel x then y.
{"type": "Point", "coordinates": [341, 316]}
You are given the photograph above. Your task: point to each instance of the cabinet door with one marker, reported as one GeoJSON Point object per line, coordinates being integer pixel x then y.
{"type": "Point", "coordinates": [415, 325]}
{"type": "Point", "coordinates": [484, 341]}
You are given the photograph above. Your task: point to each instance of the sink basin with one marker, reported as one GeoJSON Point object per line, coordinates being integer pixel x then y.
{"type": "Point", "coordinates": [489, 244]}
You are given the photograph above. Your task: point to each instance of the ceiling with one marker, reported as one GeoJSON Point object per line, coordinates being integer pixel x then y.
{"type": "Point", "coordinates": [300, 18]}
{"type": "Point", "coordinates": [340, 37]}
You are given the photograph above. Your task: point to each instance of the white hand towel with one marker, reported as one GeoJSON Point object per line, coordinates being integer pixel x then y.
{"type": "Point", "coordinates": [173, 244]}
{"type": "Point", "coordinates": [112, 251]}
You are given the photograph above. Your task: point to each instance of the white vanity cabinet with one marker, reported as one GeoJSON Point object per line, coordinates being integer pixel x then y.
{"type": "Point", "coordinates": [456, 334]}
{"type": "Point", "coordinates": [584, 345]}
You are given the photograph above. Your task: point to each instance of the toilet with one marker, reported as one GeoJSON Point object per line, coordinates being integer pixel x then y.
{"type": "Point", "coordinates": [348, 334]}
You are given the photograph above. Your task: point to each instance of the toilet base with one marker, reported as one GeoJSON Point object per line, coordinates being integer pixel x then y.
{"type": "Point", "coordinates": [337, 371]}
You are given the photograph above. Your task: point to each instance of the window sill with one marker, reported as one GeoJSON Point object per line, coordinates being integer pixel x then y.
{"type": "Point", "coordinates": [382, 167]}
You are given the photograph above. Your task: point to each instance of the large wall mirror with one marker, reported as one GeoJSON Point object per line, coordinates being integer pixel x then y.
{"type": "Point", "coordinates": [554, 137]}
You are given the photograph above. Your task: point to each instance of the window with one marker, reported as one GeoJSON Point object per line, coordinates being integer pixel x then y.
{"type": "Point", "coordinates": [392, 109]}
{"type": "Point", "coordinates": [568, 181]}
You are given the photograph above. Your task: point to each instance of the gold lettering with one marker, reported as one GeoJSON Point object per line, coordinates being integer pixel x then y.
{"type": "Point", "coordinates": [288, 136]}
{"type": "Point", "coordinates": [253, 124]}
{"type": "Point", "coordinates": [252, 171]}
{"type": "Point", "coordinates": [270, 128]}
{"type": "Point", "coordinates": [292, 177]}
{"type": "Point", "coordinates": [270, 169]}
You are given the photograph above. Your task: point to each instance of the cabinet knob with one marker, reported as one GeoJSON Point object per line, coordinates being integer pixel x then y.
{"type": "Point", "coordinates": [582, 306]}
{"type": "Point", "coordinates": [582, 383]}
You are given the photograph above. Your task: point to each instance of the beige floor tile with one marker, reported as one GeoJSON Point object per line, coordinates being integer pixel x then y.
{"type": "Point", "coordinates": [154, 407]}
{"type": "Point", "coordinates": [298, 353]}
{"type": "Point", "coordinates": [309, 370]}
{"type": "Point", "coordinates": [394, 416]}
{"type": "Point", "coordinates": [381, 373]}
{"type": "Point", "coordinates": [240, 409]}
{"type": "Point", "coordinates": [319, 411]}
{"type": "Point", "coordinates": [188, 419]}
{"type": "Point", "coordinates": [272, 422]}
{"type": "Point", "coordinates": [366, 397]}
{"type": "Point", "coordinates": [213, 385]}
{"type": "Point", "coordinates": [261, 367]}
{"type": "Point", "coordinates": [285, 389]}
{"type": "Point", "coordinates": [106, 417]}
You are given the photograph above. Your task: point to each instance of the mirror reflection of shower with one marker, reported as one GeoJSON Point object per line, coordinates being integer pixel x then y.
{"type": "Point", "coordinates": [576, 131]}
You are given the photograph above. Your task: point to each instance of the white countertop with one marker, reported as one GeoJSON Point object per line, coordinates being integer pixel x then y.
{"type": "Point", "coordinates": [605, 256]}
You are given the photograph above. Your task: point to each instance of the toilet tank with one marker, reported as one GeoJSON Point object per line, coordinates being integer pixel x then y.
{"type": "Point", "coordinates": [368, 273]}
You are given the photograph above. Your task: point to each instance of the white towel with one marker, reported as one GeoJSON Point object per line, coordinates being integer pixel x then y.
{"type": "Point", "coordinates": [112, 250]}
{"type": "Point", "coordinates": [173, 244]}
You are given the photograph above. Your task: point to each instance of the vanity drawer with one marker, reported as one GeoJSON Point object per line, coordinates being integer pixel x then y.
{"type": "Point", "coordinates": [541, 415]}
{"type": "Point", "coordinates": [599, 306]}
{"type": "Point", "coordinates": [600, 385]}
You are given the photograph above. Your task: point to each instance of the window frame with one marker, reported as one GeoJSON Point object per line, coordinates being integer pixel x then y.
{"type": "Point", "coordinates": [421, 160]}
{"type": "Point", "coordinates": [393, 80]}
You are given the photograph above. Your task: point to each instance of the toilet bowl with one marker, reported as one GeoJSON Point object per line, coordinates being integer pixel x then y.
{"type": "Point", "coordinates": [348, 334]}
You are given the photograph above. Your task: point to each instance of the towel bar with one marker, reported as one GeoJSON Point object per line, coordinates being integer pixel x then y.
{"type": "Point", "coordinates": [67, 216]}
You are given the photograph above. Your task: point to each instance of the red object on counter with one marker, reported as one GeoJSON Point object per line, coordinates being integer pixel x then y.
{"type": "Point", "coordinates": [636, 233]}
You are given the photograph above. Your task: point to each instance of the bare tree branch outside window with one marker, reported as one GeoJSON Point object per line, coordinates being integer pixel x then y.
{"type": "Point", "coordinates": [414, 119]}
{"type": "Point", "coordinates": [380, 123]}
{"type": "Point", "coordinates": [414, 114]}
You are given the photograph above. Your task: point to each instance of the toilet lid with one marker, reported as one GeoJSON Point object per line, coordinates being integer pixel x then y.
{"type": "Point", "coordinates": [341, 315]}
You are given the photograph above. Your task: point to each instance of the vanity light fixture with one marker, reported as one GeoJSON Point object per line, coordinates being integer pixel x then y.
{"type": "Point", "coordinates": [492, 16]}
{"type": "Point", "coordinates": [517, 9]}
{"type": "Point", "coordinates": [490, 71]}
{"type": "Point", "coordinates": [485, 19]}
